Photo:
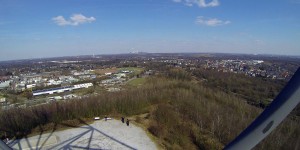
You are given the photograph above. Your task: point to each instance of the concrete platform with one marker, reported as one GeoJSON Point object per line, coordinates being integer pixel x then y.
{"type": "Point", "coordinates": [111, 134]}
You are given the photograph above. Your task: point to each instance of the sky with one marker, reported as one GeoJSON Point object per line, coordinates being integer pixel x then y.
{"type": "Point", "coordinates": [50, 28]}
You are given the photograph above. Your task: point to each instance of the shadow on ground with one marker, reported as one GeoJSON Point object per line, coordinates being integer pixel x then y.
{"type": "Point", "coordinates": [50, 141]}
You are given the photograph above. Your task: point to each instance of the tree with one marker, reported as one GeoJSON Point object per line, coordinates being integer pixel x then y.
{"type": "Point", "coordinates": [27, 93]}
{"type": "Point", "coordinates": [8, 73]}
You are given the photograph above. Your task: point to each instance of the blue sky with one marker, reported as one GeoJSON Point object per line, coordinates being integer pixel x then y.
{"type": "Point", "coordinates": [40, 28]}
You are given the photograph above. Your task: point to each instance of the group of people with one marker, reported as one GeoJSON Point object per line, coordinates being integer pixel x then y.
{"type": "Point", "coordinates": [123, 120]}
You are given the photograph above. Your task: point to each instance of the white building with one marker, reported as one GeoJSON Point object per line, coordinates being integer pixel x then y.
{"type": "Point", "coordinates": [62, 89]}
{"type": "Point", "coordinates": [120, 75]}
{"type": "Point", "coordinates": [4, 84]}
{"type": "Point", "coordinates": [54, 82]}
{"type": "Point", "coordinates": [2, 99]}
{"type": "Point", "coordinates": [29, 86]}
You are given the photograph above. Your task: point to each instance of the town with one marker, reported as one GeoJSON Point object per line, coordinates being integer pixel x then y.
{"type": "Point", "coordinates": [26, 83]}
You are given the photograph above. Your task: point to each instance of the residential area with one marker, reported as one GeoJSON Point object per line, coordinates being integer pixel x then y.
{"type": "Point", "coordinates": [35, 88]}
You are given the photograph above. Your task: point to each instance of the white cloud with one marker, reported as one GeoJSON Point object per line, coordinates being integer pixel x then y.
{"type": "Point", "coordinates": [213, 3]}
{"type": "Point", "coordinates": [211, 21]}
{"type": "Point", "coordinates": [200, 3]}
{"type": "Point", "coordinates": [60, 20]}
{"type": "Point", "coordinates": [74, 20]}
{"type": "Point", "coordinates": [177, 1]}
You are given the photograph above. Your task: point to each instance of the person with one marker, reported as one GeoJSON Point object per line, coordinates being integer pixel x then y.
{"type": "Point", "coordinates": [122, 119]}
{"type": "Point", "coordinates": [105, 118]}
{"type": "Point", "coordinates": [127, 122]}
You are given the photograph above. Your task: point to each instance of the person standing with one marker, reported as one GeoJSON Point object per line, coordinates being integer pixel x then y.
{"type": "Point", "coordinates": [127, 122]}
{"type": "Point", "coordinates": [123, 119]}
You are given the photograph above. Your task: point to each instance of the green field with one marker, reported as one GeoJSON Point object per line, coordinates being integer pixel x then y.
{"type": "Point", "coordinates": [137, 81]}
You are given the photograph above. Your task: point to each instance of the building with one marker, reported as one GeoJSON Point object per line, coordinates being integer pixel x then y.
{"type": "Point", "coordinates": [2, 99]}
{"type": "Point", "coordinates": [61, 89]}
{"type": "Point", "coordinates": [29, 86]}
{"type": "Point", "coordinates": [4, 84]}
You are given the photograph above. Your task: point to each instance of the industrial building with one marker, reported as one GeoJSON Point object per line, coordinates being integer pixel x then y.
{"type": "Point", "coordinates": [61, 89]}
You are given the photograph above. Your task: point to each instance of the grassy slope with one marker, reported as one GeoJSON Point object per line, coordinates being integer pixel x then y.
{"type": "Point", "coordinates": [137, 81]}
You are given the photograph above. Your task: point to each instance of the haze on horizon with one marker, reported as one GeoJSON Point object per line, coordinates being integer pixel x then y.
{"type": "Point", "coordinates": [34, 28]}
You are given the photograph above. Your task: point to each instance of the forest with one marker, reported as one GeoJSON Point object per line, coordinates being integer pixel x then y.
{"type": "Point", "coordinates": [181, 109]}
